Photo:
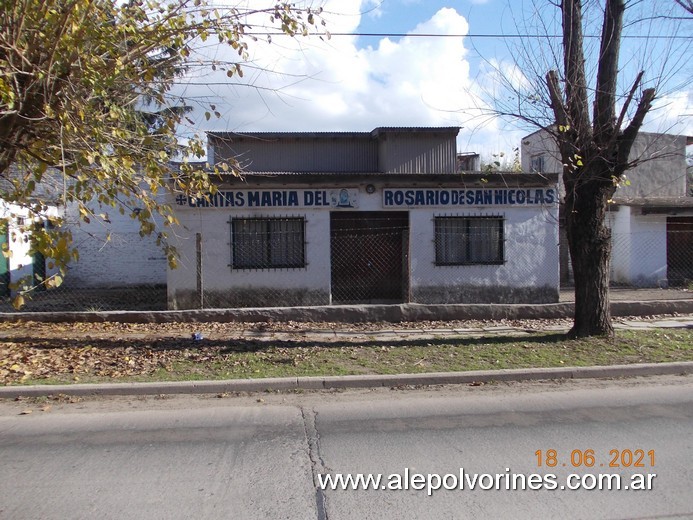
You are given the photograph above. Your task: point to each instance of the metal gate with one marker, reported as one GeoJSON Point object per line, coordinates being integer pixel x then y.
{"type": "Point", "coordinates": [369, 256]}
{"type": "Point", "coordinates": [679, 247]}
{"type": "Point", "coordinates": [4, 260]}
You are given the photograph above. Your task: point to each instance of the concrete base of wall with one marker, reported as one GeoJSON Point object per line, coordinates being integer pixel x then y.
{"type": "Point", "coordinates": [358, 313]}
{"type": "Point", "coordinates": [241, 298]}
{"type": "Point", "coordinates": [486, 295]}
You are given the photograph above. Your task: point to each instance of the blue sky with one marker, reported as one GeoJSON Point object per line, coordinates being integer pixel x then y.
{"type": "Point", "coordinates": [484, 17]}
{"type": "Point", "coordinates": [355, 83]}
{"type": "Point", "coordinates": [402, 16]}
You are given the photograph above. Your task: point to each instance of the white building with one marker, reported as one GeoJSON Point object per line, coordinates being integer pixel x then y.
{"type": "Point", "coordinates": [381, 216]}
{"type": "Point", "coordinates": [651, 217]}
{"type": "Point", "coordinates": [21, 268]}
{"type": "Point", "coordinates": [112, 254]}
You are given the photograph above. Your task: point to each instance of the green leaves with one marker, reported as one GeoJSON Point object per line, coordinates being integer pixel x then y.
{"type": "Point", "coordinates": [84, 91]}
{"type": "Point", "coordinates": [18, 301]}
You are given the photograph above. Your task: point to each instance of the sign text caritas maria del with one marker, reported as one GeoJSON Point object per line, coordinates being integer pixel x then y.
{"type": "Point", "coordinates": [334, 198]}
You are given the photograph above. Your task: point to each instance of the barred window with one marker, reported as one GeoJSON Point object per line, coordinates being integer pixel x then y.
{"type": "Point", "coordinates": [537, 164]}
{"type": "Point", "coordinates": [469, 240]}
{"type": "Point", "coordinates": [268, 243]}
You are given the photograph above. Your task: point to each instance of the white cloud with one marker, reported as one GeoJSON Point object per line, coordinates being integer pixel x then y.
{"type": "Point", "coordinates": [307, 84]}
{"type": "Point", "coordinates": [672, 113]}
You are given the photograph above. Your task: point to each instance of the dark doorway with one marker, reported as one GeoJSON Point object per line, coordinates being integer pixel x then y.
{"type": "Point", "coordinates": [566, 268]}
{"type": "Point", "coordinates": [4, 261]}
{"type": "Point", "coordinates": [679, 247]}
{"type": "Point", "coordinates": [38, 262]}
{"type": "Point", "coordinates": [369, 254]}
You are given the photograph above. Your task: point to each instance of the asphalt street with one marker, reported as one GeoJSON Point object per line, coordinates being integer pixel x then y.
{"type": "Point", "coordinates": [261, 456]}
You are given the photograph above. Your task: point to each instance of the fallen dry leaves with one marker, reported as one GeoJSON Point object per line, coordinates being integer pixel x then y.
{"type": "Point", "coordinates": [75, 351]}
{"type": "Point", "coordinates": [19, 363]}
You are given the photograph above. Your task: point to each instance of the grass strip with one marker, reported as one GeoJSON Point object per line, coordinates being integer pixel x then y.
{"type": "Point", "coordinates": [169, 359]}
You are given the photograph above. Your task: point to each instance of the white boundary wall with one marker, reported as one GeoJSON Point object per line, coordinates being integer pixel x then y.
{"type": "Point", "coordinates": [639, 254]}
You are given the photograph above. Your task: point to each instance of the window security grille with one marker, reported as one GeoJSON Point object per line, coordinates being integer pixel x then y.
{"type": "Point", "coordinates": [537, 164]}
{"type": "Point", "coordinates": [469, 240]}
{"type": "Point", "coordinates": [268, 243]}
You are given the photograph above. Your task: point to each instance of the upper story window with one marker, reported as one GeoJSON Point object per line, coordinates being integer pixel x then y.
{"type": "Point", "coordinates": [537, 165]}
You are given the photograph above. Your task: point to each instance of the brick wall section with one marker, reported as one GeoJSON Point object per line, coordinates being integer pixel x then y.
{"type": "Point", "coordinates": [125, 260]}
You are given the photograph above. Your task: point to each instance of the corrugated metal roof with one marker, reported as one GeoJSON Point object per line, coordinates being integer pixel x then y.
{"type": "Point", "coordinates": [326, 135]}
{"type": "Point", "coordinates": [494, 174]}
{"type": "Point", "coordinates": [334, 174]}
{"type": "Point", "coordinates": [328, 174]}
{"type": "Point", "coordinates": [284, 135]}
{"type": "Point", "coordinates": [475, 180]}
{"type": "Point", "coordinates": [655, 202]}
{"type": "Point", "coordinates": [415, 129]}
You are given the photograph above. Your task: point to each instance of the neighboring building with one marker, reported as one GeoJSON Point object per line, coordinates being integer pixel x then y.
{"type": "Point", "coordinates": [19, 264]}
{"type": "Point", "coordinates": [111, 254]}
{"type": "Point", "coordinates": [381, 216]}
{"type": "Point", "coordinates": [651, 217]}
{"type": "Point", "coordinates": [468, 162]}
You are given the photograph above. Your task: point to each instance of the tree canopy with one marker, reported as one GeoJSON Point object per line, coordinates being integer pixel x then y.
{"type": "Point", "coordinates": [85, 97]}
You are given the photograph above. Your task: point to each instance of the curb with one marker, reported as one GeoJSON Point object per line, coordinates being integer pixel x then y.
{"type": "Point", "coordinates": [356, 381]}
{"type": "Point", "coordinates": [357, 313]}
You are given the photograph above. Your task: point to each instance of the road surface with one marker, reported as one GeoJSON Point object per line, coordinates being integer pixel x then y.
{"type": "Point", "coordinates": [263, 456]}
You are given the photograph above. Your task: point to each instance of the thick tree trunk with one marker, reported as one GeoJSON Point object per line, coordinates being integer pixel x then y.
{"type": "Point", "coordinates": [7, 146]}
{"type": "Point", "coordinates": [13, 137]}
{"type": "Point", "coordinates": [590, 251]}
{"type": "Point", "coordinates": [594, 156]}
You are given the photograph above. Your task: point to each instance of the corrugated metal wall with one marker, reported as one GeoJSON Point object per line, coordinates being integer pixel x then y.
{"type": "Point", "coordinates": [386, 151]}
{"type": "Point", "coordinates": [425, 153]}
{"type": "Point", "coordinates": [331, 155]}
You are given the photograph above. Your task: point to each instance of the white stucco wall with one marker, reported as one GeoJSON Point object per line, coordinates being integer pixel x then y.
{"type": "Point", "coordinates": [649, 250]}
{"type": "Point", "coordinates": [639, 254]}
{"type": "Point", "coordinates": [531, 253]}
{"type": "Point", "coordinates": [214, 226]}
{"type": "Point", "coordinates": [618, 219]}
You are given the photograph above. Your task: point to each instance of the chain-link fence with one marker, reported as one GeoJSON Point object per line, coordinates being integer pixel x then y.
{"type": "Point", "coordinates": [132, 298]}
{"type": "Point", "coordinates": [116, 270]}
{"type": "Point", "coordinates": [656, 253]}
{"type": "Point", "coordinates": [371, 258]}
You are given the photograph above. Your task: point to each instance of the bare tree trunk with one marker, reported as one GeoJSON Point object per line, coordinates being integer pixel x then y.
{"type": "Point", "coordinates": [594, 155]}
{"type": "Point", "coordinates": [590, 251]}
{"type": "Point", "coordinates": [8, 148]}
